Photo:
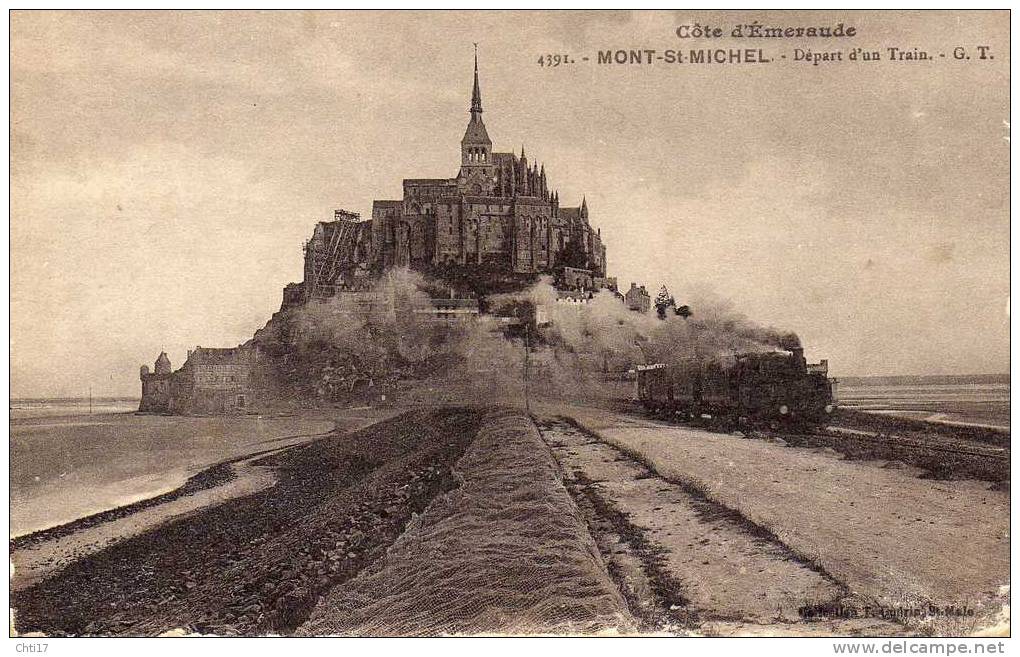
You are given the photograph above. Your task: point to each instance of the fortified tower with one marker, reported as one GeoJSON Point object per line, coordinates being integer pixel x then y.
{"type": "Point", "coordinates": [162, 365]}
{"type": "Point", "coordinates": [156, 386]}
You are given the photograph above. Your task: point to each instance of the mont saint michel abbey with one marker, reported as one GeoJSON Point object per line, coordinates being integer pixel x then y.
{"type": "Point", "coordinates": [496, 225]}
{"type": "Point", "coordinates": [498, 214]}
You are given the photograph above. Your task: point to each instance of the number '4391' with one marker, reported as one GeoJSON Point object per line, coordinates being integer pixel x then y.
{"type": "Point", "coordinates": [554, 60]}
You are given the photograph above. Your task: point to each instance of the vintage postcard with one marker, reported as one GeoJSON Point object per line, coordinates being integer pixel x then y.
{"type": "Point", "coordinates": [586, 323]}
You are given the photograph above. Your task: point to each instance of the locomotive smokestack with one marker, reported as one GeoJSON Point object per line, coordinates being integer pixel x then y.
{"type": "Point", "coordinates": [790, 342]}
{"type": "Point", "coordinates": [798, 358]}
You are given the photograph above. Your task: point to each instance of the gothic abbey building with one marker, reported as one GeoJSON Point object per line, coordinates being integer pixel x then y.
{"type": "Point", "coordinates": [498, 212]}
{"type": "Point", "coordinates": [497, 219]}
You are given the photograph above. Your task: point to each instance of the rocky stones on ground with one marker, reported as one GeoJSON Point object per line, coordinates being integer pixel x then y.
{"type": "Point", "coordinates": [258, 564]}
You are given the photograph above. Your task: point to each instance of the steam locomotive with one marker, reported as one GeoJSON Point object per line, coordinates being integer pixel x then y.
{"type": "Point", "coordinates": [772, 388]}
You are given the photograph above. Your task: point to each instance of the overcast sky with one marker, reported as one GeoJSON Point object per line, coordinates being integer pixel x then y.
{"type": "Point", "coordinates": [166, 168]}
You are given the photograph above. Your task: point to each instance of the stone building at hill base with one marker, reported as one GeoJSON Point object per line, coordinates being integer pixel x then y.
{"type": "Point", "coordinates": [211, 381]}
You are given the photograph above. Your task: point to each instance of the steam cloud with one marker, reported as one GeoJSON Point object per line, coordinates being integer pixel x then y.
{"type": "Point", "coordinates": [331, 349]}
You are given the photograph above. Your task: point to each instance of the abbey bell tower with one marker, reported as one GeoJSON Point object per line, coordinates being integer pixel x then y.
{"type": "Point", "coordinates": [477, 169]}
{"type": "Point", "coordinates": [498, 210]}
{"type": "Point", "coordinates": [476, 147]}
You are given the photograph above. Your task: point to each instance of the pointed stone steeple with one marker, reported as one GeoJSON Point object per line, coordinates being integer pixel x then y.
{"type": "Point", "coordinates": [476, 147]}
{"type": "Point", "coordinates": [522, 173]}
{"type": "Point", "coordinates": [584, 207]}
{"type": "Point", "coordinates": [476, 93]}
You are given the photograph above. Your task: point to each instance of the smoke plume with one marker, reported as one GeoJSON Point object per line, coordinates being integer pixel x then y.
{"type": "Point", "coordinates": [379, 340]}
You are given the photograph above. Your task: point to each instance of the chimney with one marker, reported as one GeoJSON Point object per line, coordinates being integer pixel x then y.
{"type": "Point", "coordinates": [798, 358]}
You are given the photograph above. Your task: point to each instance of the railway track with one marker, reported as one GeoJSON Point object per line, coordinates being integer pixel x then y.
{"type": "Point", "coordinates": [941, 456]}
{"type": "Point", "coordinates": [999, 453]}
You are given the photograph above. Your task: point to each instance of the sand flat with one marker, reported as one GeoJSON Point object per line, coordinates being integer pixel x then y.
{"type": "Point", "coordinates": [39, 560]}
{"type": "Point", "coordinates": [66, 468]}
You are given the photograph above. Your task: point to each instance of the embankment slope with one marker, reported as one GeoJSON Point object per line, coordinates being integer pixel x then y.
{"type": "Point", "coordinates": [505, 552]}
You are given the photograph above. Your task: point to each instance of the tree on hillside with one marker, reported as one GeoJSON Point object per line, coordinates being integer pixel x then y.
{"type": "Point", "coordinates": [572, 255]}
{"type": "Point", "coordinates": [663, 302]}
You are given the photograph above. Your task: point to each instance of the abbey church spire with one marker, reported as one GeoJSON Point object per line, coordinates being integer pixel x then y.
{"type": "Point", "coordinates": [476, 147]}
{"type": "Point", "coordinates": [476, 93]}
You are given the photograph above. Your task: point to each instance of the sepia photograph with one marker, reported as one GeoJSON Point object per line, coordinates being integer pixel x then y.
{"type": "Point", "coordinates": [558, 323]}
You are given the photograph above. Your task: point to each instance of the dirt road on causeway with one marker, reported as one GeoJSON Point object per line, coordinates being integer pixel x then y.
{"type": "Point", "coordinates": [751, 536]}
